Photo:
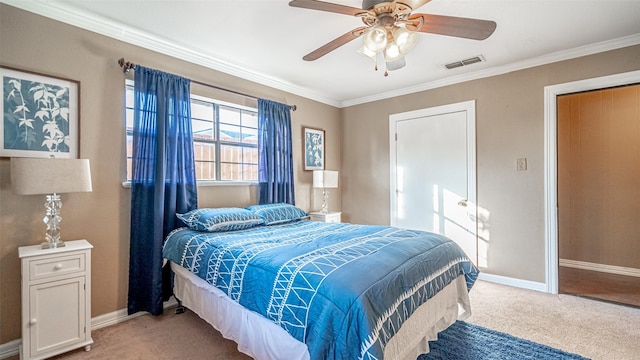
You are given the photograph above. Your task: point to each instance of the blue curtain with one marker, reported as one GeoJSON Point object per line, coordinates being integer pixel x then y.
{"type": "Point", "coordinates": [162, 182]}
{"type": "Point", "coordinates": [275, 153]}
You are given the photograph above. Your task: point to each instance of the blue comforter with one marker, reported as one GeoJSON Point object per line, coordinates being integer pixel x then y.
{"type": "Point", "coordinates": [342, 289]}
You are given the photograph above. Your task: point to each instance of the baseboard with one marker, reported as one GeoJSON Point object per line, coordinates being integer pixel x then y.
{"type": "Point", "coordinates": [12, 348]}
{"type": "Point", "coordinates": [611, 269]}
{"type": "Point", "coordinates": [519, 283]}
{"type": "Point", "coordinates": [121, 315]}
{"type": "Point", "coordinates": [9, 349]}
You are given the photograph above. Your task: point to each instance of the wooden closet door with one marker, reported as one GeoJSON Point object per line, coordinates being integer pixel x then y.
{"type": "Point", "coordinates": [599, 193]}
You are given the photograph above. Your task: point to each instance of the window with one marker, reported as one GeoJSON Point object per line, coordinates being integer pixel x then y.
{"type": "Point", "coordinates": [225, 139]}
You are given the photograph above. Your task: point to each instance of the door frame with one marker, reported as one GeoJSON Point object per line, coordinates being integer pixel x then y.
{"type": "Point", "coordinates": [468, 106]}
{"type": "Point", "coordinates": [550, 160]}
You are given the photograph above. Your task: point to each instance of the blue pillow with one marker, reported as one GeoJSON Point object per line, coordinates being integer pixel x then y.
{"type": "Point", "coordinates": [220, 219]}
{"type": "Point", "coordinates": [279, 213]}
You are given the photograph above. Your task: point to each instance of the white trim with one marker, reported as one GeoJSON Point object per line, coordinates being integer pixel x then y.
{"type": "Point", "coordinates": [499, 70]}
{"type": "Point", "coordinates": [550, 166]}
{"type": "Point", "coordinates": [12, 348]}
{"type": "Point", "coordinates": [113, 318]}
{"type": "Point", "coordinates": [610, 269]}
{"type": "Point", "coordinates": [121, 315]}
{"type": "Point", "coordinates": [208, 183]}
{"type": "Point", "coordinates": [68, 14]}
{"type": "Point", "coordinates": [223, 103]}
{"type": "Point", "coordinates": [62, 12]}
{"type": "Point", "coordinates": [470, 108]}
{"type": "Point", "coordinates": [509, 281]}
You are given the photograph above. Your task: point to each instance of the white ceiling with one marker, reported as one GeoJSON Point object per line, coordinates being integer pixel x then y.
{"type": "Point", "coordinates": [264, 40]}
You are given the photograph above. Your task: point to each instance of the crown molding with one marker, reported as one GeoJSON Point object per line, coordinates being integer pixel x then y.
{"type": "Point", "coordinates": [62, 12]}
{"type": "Point", "coordinates": [59, 11]}
{"type": "Point", "coordinates": [499, 70]}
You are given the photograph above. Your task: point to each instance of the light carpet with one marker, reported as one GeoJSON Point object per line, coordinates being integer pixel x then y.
{"type": "Point", "coordinates": [596, 330]}
{"type": "Point", "coordinates": [593, 329]}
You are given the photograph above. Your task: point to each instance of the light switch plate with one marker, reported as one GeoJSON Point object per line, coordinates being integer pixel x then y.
{"type": "Point", "coordinates": [521, 164]}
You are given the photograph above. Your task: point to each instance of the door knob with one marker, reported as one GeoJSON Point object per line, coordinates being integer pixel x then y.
{"type": "Point", "coordinates": [462, 203]}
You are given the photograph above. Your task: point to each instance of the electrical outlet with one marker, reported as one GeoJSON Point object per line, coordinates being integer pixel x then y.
{"type": "Point", "coordinates": [521, 164]}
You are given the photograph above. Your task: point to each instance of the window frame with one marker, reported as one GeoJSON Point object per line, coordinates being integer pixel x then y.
{"type": "Point", "coordinates": [216, 141]}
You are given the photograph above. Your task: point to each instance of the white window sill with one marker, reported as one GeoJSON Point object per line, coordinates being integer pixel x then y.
{"type": "Point", "coordinates": [209, 183]}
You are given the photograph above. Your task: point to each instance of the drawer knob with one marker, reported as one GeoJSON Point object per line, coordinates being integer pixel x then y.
{"type": "Point", "coordinates": [33, 321]}
{"type": "Point", "coordinates": [58, 267]}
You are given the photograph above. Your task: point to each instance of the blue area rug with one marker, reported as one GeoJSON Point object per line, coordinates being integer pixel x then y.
{"type": "Point", "coordinates": [465, 341]}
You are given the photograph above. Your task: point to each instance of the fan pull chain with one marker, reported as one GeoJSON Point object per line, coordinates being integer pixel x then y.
{"type": "Point", "coordinates": [386, 73]}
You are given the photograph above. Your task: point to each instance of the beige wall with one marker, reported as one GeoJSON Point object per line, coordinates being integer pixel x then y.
{"type": "Point", "coordinates": [510, 125]}
{"type": "Point", "coordinates": [38, 44]}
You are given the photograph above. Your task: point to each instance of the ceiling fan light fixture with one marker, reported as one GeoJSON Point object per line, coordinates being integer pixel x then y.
{"type": "Point", "coordinates": [396, 64]}
{"type": "Point", "coordinates": [393, 21]}
{"type": "Point", "coordinates": [405, 39]}
{"type": "Point", "coordinates": [365, 51]}
{"type": "Point", "coordinates": [376, 39]}
{"type": "Point", "coordinates": [392, 52]}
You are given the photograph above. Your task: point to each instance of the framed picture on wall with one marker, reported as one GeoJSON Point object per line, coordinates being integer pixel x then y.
{"type": "Point", "coordinates": [313, 149]}
{"type": "Point", "coordinates": [40, 115]}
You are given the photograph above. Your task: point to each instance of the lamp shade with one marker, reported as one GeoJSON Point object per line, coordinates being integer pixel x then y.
{"type": "Point", "coordinates": [31, 176]}
{"type": "Point", "coordinates": [325, 179]}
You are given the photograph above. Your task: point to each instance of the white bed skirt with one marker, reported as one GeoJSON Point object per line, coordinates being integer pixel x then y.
{"type": "Point", "coordinates": [262, 339]}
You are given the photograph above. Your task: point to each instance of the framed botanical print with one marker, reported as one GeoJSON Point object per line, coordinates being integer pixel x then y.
{"type": "Point", "coordinates": [40, 115]}
{"type": "Point", "coordinates": [313, 149]}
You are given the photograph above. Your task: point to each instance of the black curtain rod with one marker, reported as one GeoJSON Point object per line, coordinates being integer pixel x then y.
{"type": "Point", "coordinates": [128, 66]}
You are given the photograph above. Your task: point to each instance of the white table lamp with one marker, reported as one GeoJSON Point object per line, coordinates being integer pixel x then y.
{"type": "Point", "coordinates": [325, 179]}
{"type": "Point", "coordinates": [36, 176]}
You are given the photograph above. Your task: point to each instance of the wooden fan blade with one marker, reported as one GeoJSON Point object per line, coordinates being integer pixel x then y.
{"type": "Point", "coordinates": [335, 43]}
{"type": "Point", "coordinates": [325, 6]}
{"type": "Point", "coordinates": [467, 28]}
{"type": "Point", "coordinates": [413, 4]}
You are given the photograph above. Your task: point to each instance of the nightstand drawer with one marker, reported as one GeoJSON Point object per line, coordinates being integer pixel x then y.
{"type": "Point", "coordinates": [54, 266]}
{"type": "Point", "coordinates": [330, 217]}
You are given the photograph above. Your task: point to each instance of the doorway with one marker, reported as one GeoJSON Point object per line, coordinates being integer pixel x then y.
{"type": "Point", "coordinates": [550, 163]}
{"type": "Point", "coordinates": [433, 178]}
{"type": "Point", "coordinates": [598, 148]}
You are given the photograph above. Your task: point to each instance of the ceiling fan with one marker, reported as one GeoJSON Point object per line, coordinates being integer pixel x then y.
{"type": "Point", "coordinates": [392, 30]}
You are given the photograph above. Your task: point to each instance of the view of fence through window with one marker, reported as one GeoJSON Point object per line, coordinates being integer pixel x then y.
{"type": "Point", "coordinates": [225, 139]}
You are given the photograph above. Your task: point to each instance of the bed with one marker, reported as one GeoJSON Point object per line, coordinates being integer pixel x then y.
{"type": "Point", "coordinates": [297, 289]}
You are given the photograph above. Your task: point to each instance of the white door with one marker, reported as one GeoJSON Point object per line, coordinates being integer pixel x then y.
{"type": "Point", "coordinates": [433, 172]}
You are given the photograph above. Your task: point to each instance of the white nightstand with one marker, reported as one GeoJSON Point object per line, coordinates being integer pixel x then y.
{"type": "Point", "coordinates": [56, 299]}
{"type": "Point", "coordinates": [331, 216]}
